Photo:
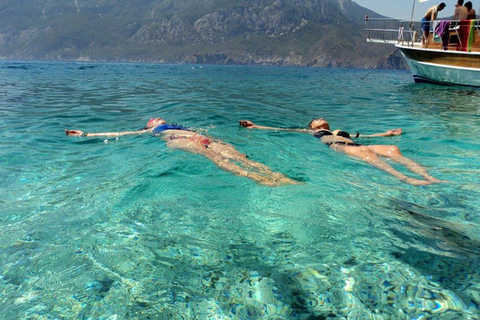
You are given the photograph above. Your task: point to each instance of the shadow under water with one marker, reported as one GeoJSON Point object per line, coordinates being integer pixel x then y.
{"type": "Point", "coordinates": [447, 252]}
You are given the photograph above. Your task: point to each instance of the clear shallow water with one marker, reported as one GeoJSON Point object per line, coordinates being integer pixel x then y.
{"type": "Point", "coordinates": [128, 229]}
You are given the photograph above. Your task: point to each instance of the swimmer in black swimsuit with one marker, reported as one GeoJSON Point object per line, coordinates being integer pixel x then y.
{"type": "Point", "coordinates": [321, 133]}
{"type": "Point", "coordinates": [225, 156]}
{"type": "Point", "coordinates": [341, 141]}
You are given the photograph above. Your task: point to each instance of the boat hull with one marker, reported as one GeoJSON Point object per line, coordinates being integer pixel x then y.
{"type": "Point", "coordinates": [443, 67]}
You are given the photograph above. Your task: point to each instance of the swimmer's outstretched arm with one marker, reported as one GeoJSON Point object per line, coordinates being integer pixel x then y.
{"type": "Point", "coordinates": [250, 125]}
{"type": "Point", "coordinates": [389, 133]}
{"type": "Point", "coordinates": [104, 134]}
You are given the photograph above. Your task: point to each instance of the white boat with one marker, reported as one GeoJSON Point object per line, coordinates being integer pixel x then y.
{"type": "Point", "coordinates": [450, 63]}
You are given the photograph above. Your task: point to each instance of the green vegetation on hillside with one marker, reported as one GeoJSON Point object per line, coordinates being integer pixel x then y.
{"type": "Point", "coordinates": [281, 32]}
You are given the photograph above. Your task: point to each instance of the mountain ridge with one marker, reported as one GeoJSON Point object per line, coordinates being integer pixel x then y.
{"type": "Point", "coordinates": [318, 33]}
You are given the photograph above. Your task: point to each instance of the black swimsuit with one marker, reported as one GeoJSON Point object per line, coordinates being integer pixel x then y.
{"type": "Point", "coordinates": [320, 133]}
{"type": "Point", "coordinates": [350, 144]}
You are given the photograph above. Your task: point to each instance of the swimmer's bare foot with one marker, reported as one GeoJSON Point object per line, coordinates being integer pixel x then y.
{"type": "Point", "coordinates": [295, 182]}
{"type": "Point", "coordinates": [285, 181]}
{"type": "Point", "coordinates": [435, 180]}
{"type": "Point", "coordinates": [416, 182]}
{"type": "Point", "coordinates": [278, 181]}
{"type": "Point", "coordinates": [428, 177]}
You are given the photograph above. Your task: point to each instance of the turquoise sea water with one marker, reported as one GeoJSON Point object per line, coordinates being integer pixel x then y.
{"type": "Point", "coordinates": [126, 228]}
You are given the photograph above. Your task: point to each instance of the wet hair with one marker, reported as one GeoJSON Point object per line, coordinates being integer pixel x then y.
{"type": "Point", "coordinates": [460, 2]}
{"type": "Point", "coordinates": [148, 126]}
{"type": "Point", "coordinates": [310, 124]}
{"type": "Point", "coordinates": [468, 5]}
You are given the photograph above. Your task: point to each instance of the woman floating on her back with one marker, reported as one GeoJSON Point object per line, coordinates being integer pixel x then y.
{"type": "Point", "coordinates": [223, 155]}
{"type": "Point", "coordinates": [342, 142]}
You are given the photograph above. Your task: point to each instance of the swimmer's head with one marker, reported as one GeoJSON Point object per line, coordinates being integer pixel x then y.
{"type": "Point", "coordinates": [317, 124]}
{"type": "Point", "coordinates": [155, 122]}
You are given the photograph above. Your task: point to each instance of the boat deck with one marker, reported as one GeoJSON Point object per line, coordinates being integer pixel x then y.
{"type": "Point", "coordinates": [406, 33]}
{"type": "Point", "coordinates": [451, 57]}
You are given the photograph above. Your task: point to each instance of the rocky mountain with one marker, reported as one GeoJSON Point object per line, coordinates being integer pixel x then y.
{"type": "Point", "coordinates": [321, 33]}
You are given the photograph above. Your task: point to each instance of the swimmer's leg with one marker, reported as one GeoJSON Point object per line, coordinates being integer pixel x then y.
{"type": "Point", "coordinates": [367, 155]}
{"type": "Point", "coordinates": [395, 154]}
{"type": "Point", "coordinates": [185, 145]}
{"type": "Point", "coordinates": [269, 179]}
{"type": "Point", "coordinates": [229, 152]}
{"type": "Point", "coordinates": [222, 160]}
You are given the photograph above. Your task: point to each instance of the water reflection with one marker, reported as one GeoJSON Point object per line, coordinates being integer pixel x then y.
{"type": "Point", "coordinates": [435, 100]}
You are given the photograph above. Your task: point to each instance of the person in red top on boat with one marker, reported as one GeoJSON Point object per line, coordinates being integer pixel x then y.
{"type": "Point", "coordinates": [430, 15]}
{"type": "Point", "coordinates": [341, 141]}
{"type": "Point", "coordinates": [223, 155]}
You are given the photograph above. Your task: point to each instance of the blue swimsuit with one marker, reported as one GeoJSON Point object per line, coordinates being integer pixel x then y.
{"type": "Point", "coordinates": [197, 138]}
{"type": "Point", "coordinates": [163, 127]}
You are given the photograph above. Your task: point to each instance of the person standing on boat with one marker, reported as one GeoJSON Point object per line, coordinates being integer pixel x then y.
{"type": "Point", "coordinates": [472, 15]}
{"type": "Point", "coordinates": [461, 12]}
{"type": "Point", "coordinates": [430, 15]}
{"type": "Point", "coordinates": [460, 16]}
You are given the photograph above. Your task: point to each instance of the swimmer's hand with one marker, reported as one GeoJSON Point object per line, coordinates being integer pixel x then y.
{"type": "Point", "coordinates": [73, 132]}
{"type": "Point", "coordinates": [247, 124]}
{"type": "Point", "coordinates": [393, 132]}
{"type": "Point", "coordinates": [389, 133]}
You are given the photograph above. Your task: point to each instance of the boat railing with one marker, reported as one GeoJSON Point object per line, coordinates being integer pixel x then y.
{"type": "Point", "coordinates": [409, 33]}
{"type": "Point", "coordinates": [456, 24]}
{"type": "Point", "coordinates": [389, 30]}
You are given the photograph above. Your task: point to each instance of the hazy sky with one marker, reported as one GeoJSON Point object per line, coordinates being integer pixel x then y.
{"type": "Point", "coordinates": [403, 8]}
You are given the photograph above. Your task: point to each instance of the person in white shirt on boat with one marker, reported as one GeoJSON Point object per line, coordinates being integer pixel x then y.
{"type": "Point", "coordinates": [341, 141]}
{"type": "Point", "coordinates": [430, 15]}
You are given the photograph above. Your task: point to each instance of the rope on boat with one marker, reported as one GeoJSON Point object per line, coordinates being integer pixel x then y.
{"type": "Point", "coordinates": [380, 64]}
